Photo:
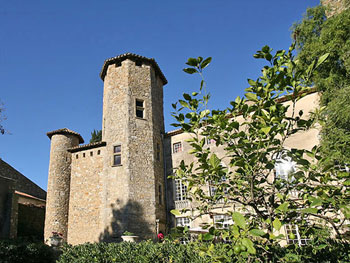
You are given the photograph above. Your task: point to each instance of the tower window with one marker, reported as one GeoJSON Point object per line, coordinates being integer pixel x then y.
{"type": "Point", "coordinates": [117, 157]}
{"type": "Point", "coordinates": [140, 109]}
{"type": "Point", "coordinates": [160, 194]}
{"type": "Point", "coordinates": [91, 154]}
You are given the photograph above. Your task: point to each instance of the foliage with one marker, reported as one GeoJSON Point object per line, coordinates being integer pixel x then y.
{"type": "Point", "coordinates": [252, 132]}
{"type": "Point", "coordinates": [96, 136]}
{"type": "Point", "coordinates": [146, 251]}
{"type": "Point", "coordinates": [193, 253]}
{"type": "Point", "coordinates": [19, 251]}
{"type": "Point", "coordinates": [315, 35]}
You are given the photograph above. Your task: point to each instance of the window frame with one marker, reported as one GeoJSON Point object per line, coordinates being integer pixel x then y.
{"type": "Point", "coordinates": [117, 153]}
{"type": "Point", "coordinates": [180, 191]}
{"type": "Point", "coordinates": [139, 108]}
{"type": "Point", "coordinates": [178, 149]}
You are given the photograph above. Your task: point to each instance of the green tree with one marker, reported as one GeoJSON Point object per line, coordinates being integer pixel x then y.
{"type": "Point", "coordinates": [316, 35]}
{"type": "Point", "coordinates": [96, 136]}
{"type": "Point", "coordinates": [252, 132]}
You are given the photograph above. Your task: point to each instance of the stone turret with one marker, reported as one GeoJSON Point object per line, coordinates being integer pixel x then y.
{"type": "Point", "coordinates": [133, 126]}
{"type": "Point", "coordinates": [58, 187]}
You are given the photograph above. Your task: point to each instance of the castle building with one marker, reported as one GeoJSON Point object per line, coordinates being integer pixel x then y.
{"type": "Point", "coordinates": [98, 191]}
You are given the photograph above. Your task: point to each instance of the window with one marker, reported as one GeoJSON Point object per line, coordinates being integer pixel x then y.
{"type": "Point", "coordinates": [223, 221]}
{"type": "Point", "coordinates": [117, 158]}
{"type": "Point", "coordinates": [293, 235]}
{"type": "Point", "coordinates": [83, 154]}
{"type": "Point", "coordinates": [140, 109]}
{"type": "Point", "coordinates": [91, 153]}
{"type": "Point", "coordinates": [180, 190]}
{"type": "Point", "coordinates": [77, 156]}
{"type": "Point", "coordinates": [160, 194]}
{"type": "Point", "coordinates": [183, 221]}
{"type": "Point", "coordinates": [98, 152]}
{"type": "Point", "coordinates": [177, 147]}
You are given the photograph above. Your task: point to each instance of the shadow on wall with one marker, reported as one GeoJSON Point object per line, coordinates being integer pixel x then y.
{"type": "Point", "coordinates": [129, 218]}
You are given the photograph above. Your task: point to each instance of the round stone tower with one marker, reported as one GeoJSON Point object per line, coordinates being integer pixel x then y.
{"type": "Point", "coordinates": [58, 188]}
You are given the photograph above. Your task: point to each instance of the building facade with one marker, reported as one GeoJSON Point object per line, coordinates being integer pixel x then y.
{"type": "Point", "coordinates": [98, 191]}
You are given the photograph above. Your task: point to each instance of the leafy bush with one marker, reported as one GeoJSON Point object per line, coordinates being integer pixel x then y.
{"type": "Point", "coordinates": [193, 252]}
{"type": "Point", "coordinates": [13, 251]}
{"type": "Point", "coordinates": [130, 252]}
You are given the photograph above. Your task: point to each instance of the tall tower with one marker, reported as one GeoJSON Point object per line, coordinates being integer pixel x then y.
{"type": "Point", "coordinates": [133, 126]}
{"type": "Point", "coordinates": [58, 188]}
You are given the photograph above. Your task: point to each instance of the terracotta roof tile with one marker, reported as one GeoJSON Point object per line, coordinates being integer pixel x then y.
{"type": "Point", "coordinates": [65, 131]}
{"type": "Point", "coordinates": [86, 146]}
{"type": "Point", "coordinates": [132, 56]}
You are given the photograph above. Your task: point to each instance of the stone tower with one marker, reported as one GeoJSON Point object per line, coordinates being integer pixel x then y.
{"type": "Point", "coordinates": [58, 187]}
{"type": "Point", "coordinates": [133, 129]}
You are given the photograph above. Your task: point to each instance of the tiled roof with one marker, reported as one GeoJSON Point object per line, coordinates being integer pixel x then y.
{"type": "Point", "coordinates": [65, 131]}
{"type": "Point", "coordinates": [135, 57]}
{"type": "Point", "coordinates": [174, 132]}
{"type": "Point", "coordinates": [86, 146]}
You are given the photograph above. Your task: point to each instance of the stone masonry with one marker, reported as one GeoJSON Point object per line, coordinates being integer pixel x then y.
{"type": "Point", "coordinates": [92, 197]}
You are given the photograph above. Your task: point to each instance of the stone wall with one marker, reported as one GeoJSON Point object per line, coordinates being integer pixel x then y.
{"type": "Point", "coordinates": [85, 202]}
{"type": "Point", "coordinates": [131, 190]}
{"type": "Point", "coordinates": [57, 204]}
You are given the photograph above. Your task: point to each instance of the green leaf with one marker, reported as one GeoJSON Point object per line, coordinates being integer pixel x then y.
{"type": "Point", "coordinates": [266, 130]}
{"type": "Point", "coordinates": [214, 161]}
{"type": "Point", "coordinates": [186, 96]}
{"type": "Point", "coordinates": [322, 59]}
{"type": "Point", "coordinates": [283, 207]}
{"type": "Point", "coordinates": [239, 219]}
{"type": "Point", "coordinates": [251, 82]}
{"type": "Point", "coordinates": [184, 104]}
{"type": "Point", "coordinates": [190, 70]}
{"type": "Point", "coordinates": [316, 202]}
{"type": "Point", "coordinates": [175, 212]}
{"type": "Point", "coordinates": [249, 245]}
{"type": "Point", "coordinates": [206, 62]}
{"type": "Point", "coordinates": [277, 224]}
{"type": "Point", "coordinates": [309, 210]}
{"type": "Point", "coordinates": [192, 62]}
{"type": "Point", "coordinates": [208, 237]}
{"type": "Point", "coordinates": [251, 96]}
{"type": "Point", "coordinates": [257, 232]}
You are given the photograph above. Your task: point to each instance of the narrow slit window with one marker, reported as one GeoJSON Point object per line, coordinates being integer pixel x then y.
{"type": "Point", "coordinates": [91, 153]}
{"type": "Point", "coordinates": [117, 155]}
{"type": "Point", "coordinates": [98, 152]}
{"type": "Point", "coordinates": [83, 154]}
{"type": "Point", "coordinates": [140, 109]}
{"type": "Point", "coordinates": [160, 194]}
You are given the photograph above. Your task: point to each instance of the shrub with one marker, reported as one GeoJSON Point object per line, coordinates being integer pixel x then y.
{"type": "Point", "coordinates": [13, 251]}
{"type": "Point", "coordinates": [148, 251]}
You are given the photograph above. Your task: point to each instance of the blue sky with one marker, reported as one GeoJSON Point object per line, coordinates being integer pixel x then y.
{"type": "Point", "coordinates": [51, 53]}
